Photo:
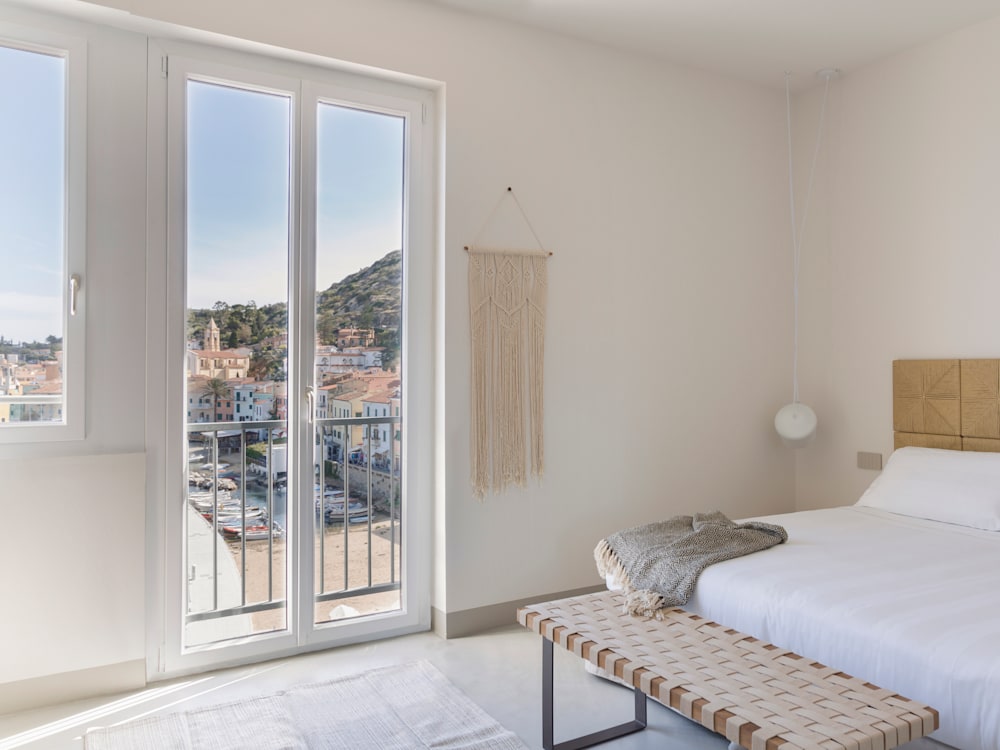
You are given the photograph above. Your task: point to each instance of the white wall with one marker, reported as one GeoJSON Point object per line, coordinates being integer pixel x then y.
{"type": "Point", "coordinates": [72, 562]}
{"type": "Point", "coordinates": [904, 258]}
{"type": "Point", "coordinates": [659, 188]}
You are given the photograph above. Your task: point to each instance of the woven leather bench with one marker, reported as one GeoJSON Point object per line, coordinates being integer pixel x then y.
{"type": "Point", "coordinates": [757, 695]}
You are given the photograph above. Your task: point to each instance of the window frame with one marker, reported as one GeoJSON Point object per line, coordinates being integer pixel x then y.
{"type": "Point", "coordinates": [73, 50]}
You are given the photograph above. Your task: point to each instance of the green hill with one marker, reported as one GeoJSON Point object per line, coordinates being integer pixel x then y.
{"type": "Point", "coordinates": [369, 298]}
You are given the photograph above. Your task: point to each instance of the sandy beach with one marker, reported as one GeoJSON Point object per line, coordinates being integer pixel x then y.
{"type": "Point", "coordinates": [333, 573]}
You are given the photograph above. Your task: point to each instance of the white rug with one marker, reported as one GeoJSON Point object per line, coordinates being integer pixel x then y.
{"type": "Point", "coordinates": [393, 708]}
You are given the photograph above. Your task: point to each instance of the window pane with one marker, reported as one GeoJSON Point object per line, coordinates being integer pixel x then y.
{"type": "Point", "coordinates": [359, 260]}
{"type": "Point", "coordinates": [238, 167]}
{"type": "Point", "coordinates": [32, 235]}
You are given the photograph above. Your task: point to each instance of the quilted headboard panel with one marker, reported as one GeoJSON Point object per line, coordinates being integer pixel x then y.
{"type": "Point", "coordinates": [947, 403]}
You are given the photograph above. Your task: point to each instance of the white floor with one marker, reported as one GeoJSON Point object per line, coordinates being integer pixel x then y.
{"type": "Point", "coordinates": [500, 670]}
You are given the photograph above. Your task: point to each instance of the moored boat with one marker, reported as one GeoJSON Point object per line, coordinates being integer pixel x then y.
{"type": "Point", "coordinates": [335, 511]}
{"type": "Point", "coordinates": [231, 515]}
{"type": "Point", "coordinates": [252, 532]}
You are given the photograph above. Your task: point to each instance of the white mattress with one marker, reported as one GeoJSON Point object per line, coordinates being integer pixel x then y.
{"type": "Point", "coordinates": [910, 605]}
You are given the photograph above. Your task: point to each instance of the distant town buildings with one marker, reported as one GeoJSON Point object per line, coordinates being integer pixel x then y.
{"type": "Point", "coordinates": [346, 374]}
{"type": "Point", "coordinates": [331, 360]}
{"type": "Point", "coordinates": [353, 337]}
{"type": "Point", "coordinates": [41, 378]}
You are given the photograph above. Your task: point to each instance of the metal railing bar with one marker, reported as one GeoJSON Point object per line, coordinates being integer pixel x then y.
{"type": "Point", "coordinates": [322, 508]}
{"type": "Point", "coordinates": [243, 509]}
{"type": "Point", "coordinates": [368, 457]}
{"type": "Point", "coordinates": [247, 609]}
{"type": "Point", "coordinates": [28, 399]}
{"type": "Point", "coordinates": [273, 423]}
{"type": "Point", "coordinates": [392, 507]}
{"type": "Point", "coordinates": [348, 440]}
{"type": "Point", "coordinates": [401, 510]}
{"type": "Point", "coordinates": [280, 603]}
{"type": "Point", "coordinates": [215, 522]}
{"type": "Point", "coordinates": [363, 591]}
{"type": "Point", "coordinates": [217, 426]}
{"type": "Point", "coordinates": [270, 516]}
{"type": "Point", "coordinates": [356, 421]}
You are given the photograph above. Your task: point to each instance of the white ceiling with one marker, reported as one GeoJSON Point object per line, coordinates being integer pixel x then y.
{"type": "Point", "coordinates": [755, 40]}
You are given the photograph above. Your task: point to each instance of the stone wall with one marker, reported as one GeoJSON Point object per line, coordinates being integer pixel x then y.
{"type": "Point", "coordinates": [380, 486]}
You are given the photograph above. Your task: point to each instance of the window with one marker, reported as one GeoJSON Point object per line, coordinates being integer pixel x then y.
{"type": "Point", "coordinates": [42, 197]}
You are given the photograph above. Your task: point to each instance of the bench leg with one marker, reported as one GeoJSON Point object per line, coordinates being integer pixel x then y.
{"type": "Point", "coordinates": [604, 735]}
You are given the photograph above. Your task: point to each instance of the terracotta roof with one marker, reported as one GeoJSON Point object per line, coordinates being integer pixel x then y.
{"type": "Point", "coordinates": [349, 396]}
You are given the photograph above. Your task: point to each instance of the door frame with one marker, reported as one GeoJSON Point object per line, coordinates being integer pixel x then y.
{"type": "Point", "coordinates": [168, 62]}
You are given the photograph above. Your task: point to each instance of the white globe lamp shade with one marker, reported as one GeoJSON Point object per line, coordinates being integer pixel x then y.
{"type": "Point", "coordinates": [796, 424]}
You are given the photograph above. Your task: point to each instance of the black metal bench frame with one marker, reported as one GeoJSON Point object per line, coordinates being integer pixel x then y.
{"type": "Point", "coordinates": [548, 709]}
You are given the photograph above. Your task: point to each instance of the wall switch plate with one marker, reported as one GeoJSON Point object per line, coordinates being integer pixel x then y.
{"type": "Point", "coordinates": [871, 461]}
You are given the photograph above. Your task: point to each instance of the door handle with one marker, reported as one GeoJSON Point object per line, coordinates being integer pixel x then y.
{"type": "Point", "coordinates": [74, 292]}
{"type": "Point", "coordinates": [310, 403]}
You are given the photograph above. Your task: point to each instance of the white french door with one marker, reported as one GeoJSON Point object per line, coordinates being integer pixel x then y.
{"type": "Point", "coordinates": [297, 249]}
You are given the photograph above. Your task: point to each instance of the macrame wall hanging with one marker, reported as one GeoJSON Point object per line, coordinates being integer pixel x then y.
{"type": "Point", "coordinates": [507, 298]}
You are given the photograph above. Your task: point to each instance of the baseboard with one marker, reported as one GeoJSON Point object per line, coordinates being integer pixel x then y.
{"type": "Point", "coordinates": [35, 692]}
{"type": "Point", "coordinates": [465, 622]}
{"type": "Point", "coordinates": [439, 622]}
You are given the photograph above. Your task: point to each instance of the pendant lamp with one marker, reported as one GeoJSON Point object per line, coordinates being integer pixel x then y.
{"type": "Point", "coordinates": [796, 422]}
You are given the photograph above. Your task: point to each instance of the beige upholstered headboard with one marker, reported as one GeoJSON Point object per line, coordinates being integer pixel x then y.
{"type": "Point", "coordinates": [947, 403]}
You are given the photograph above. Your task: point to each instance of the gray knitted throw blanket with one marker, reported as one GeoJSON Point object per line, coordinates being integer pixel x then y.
{"type": "Point", "coordinates": [658, 564]}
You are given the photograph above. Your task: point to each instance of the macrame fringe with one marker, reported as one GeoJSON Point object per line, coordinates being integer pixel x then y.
{"type": "Point", "coordinates": [537, 301]}
{"type": "Point", "coordinates": [507, 300]}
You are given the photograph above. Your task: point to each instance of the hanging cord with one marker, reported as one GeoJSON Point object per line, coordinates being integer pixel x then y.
{"type": "Point", "coordinates": [797, 233]}
{"type": "Point", "coordinates": [509, 191]}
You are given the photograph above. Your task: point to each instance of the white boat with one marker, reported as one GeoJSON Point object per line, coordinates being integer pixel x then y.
{"type": "Point", "coordinates": [206, 501]}
{"type": "Point", "coordinates": [334, 511]}
{"type": "Point", "coordinates": [229, 515]}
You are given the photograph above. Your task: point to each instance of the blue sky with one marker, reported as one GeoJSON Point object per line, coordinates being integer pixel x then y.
{"type": "Point", "coordinates": [238, 184]}
{"type": "Point", "coordinates": [31, 201]}
{"type": "Point", "coordinates": [238, 167]}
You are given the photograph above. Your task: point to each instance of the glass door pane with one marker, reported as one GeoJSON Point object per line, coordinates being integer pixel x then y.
{"type": "Point", "coordinates": [358, 440]}
{"type": "Point", "coordinates": [237, 233]}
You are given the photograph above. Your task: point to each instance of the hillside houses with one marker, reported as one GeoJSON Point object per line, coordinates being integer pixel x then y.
{"type": "Point", "coordinates": [221, 388]}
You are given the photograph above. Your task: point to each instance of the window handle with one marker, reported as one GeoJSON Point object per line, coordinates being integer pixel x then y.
{"type": "Point", "coordinates": [74, 292]}
{"type": "Point", "coordinates": [310, 403]}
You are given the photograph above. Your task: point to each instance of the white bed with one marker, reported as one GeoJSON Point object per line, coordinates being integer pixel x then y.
{"type": "Point", "coordinates": [902, 589]}
{"type": "Point", "coordinates": [908, 604]}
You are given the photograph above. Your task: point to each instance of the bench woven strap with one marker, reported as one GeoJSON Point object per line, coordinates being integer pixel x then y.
{"type": "Point", "coordinates": [755, 694]}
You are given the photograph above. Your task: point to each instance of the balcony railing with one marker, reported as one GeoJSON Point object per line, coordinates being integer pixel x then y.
{"type": "Point", "coordinates": [386, 471]}
{"type": "Point", "coordinates": [238, 485]}
{"type": "Point", "coordinates": [30, 409]}
{"type": "Point", "coordinates": [28, 398]}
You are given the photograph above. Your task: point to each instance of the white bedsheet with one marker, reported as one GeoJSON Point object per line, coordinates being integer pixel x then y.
{"type": "Point", "coordinates": [910, 605]}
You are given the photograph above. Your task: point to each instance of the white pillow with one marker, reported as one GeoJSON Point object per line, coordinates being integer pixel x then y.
{"type": "Point", "coordinates": [960, 487]}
